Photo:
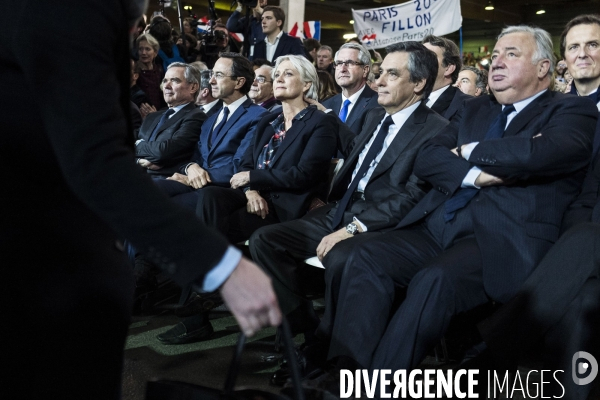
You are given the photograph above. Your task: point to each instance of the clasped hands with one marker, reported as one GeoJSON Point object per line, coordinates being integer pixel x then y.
{"type": "Point", "coordinates": [256, 203]}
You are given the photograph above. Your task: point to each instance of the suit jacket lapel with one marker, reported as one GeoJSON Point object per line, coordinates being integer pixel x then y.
{"type": "Point", "coordinates": [527, 114]}
{"type": "Point", "coordinates": [180, 114]}
{"type": "Point", "coordinates": [230, 122]}
{"type": "Point", "coordinates": [411, 128]}
{"type": "Point", "coordinates": [359, 107]}
{"type": "Point", "coordinates": [350, 163]}
{"type": "Point", "coordinates": [290, 137]}
{"type": "Point", "coordinates": [443, 102]}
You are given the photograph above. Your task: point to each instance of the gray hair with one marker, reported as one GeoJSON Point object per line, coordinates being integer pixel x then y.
{"type": "Point", "coordinates": [150, 39]}
{"type": "Point", "coordinates": [481, 77]}
{"type": "Point", "coordinates": [363, 54]}
{"type": "Point", "coordinates": [191, 73]}
{"type": "Point", "coordinates": [307, 71]}
{"type": "Point", "coordinates": [200, 65]}
{"type": "Point", "coordinates": [325, 47]}
{"type": "Point", "coordinates": [543, 41]}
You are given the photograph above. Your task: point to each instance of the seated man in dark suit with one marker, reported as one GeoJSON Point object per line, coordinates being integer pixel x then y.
{"type": "Point", "coordinates": [166, 139]}
{"type": "Point", "coordinates": [559, 303]}
{"type": "Point", "coordinates": [503, 173]}
{"type": "Point", "coordinates": [352, 65]}
{"type": "Point", "coordinates": [224, 138]}
{"type": "Point", "coordinates": [445, 99]}
{"type": "Point", "coordinates": [282, 173]}
{"type": "Point", "coordinates": [277, 42]}
{"type": "Point", "coordinates": [375, 186]}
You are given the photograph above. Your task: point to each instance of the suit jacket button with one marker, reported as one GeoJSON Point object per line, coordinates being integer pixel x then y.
{"type": "Point", "coordinates": [426, 212]}
{"type": "Point", "coordinates": [210, 166]}
{"type": "Point", "coordinates": [275, 196]}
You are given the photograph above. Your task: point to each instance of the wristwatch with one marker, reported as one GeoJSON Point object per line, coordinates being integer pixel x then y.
{"type": "Point", "coordinates": [352, 228]}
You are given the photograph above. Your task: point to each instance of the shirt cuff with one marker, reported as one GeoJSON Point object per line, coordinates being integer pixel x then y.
{"type": "Point", "coordinates": [362, 226]}
{"type": "Point", "coordinates": [328, 111]}
{"type": "Point", "coordinates": [469, 181]}
{"type": "Point", "coordinates": [468, 149]}
{"type": "Point", "coordinates": [219, 274]}
{"type": "Point", "coordinates": [138, 141]}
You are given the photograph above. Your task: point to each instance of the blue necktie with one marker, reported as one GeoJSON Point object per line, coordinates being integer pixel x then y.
{"type": "Point", "coordinates": [162, 120]}
{"type": "Point", "coordinates": [374, 150]}
{"type": "Point", "coordinates": [344, 111]}
{"type": "Point", "coordinates": [463, 196]}
{"type": "Point", "coordinates": [217, 130]}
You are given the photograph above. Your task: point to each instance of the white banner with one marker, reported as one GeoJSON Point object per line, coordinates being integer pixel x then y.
{"type": "Point", "coordinates": [413, 20]}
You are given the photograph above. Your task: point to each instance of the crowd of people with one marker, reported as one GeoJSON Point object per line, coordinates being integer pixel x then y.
{"type": "Point", "coordinates": [459, 188]}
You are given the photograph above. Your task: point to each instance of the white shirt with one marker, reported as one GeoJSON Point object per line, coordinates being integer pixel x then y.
{"type": "Point", "coordinates": [272, 47]}
{"type": "Point", "coordinates": [473, 174]}
{"type": "Point", "coordinates": [399, 119]}
{"type": "Point", "coordinates": [433, 96]}
{"type": "Point", "coordinates": [232, 108]}
{"type": "Point", "coordinates": [175, 110]}
{"type": "Point", "coordinates": [207, 107]}
{"type": "Point", "coordinates": [353, 99]}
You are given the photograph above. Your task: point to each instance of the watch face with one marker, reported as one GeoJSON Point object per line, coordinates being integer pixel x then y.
{"type": "Point", "coordinates": [351, 228]}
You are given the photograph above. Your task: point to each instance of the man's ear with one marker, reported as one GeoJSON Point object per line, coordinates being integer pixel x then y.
{"type": "Point", "coordinates": [419, 86]}
{"type": "Point", "coordinates": [543, 68]}
{"type": "Point", "coordinates": [240, 83]}
{"type": "Point", "coordinates": [449, 70]}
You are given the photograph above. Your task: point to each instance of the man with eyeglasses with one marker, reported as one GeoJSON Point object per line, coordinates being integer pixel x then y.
{"type": "Point", "coordinates": [261, 92]}
{"type": "Point", "coordinates": [352, 64]}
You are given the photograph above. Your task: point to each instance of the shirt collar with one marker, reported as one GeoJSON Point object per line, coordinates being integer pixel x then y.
{"type": "Point", "coordinates": [354, 98]}
{"type": "Point", "coordinates": [520, 105]}
{"type": "Point", "coordinates": [433, 96]}
{"type": "Point", "coordinates": [276, 38]}
{"type": "Point", "coordinates": [236, 104]}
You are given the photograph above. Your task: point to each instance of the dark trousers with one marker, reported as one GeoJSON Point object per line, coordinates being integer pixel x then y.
{"type": "Point", "coordinates": [225, 210]}
{"type": "Point", "coordinates": [280, 250]}
{"type": "Point", "coordinates": [185, 196]}
{"type": "Point", "coordinates": [442, 272]}
{"type": "Point", "coordinates": [559, 305]}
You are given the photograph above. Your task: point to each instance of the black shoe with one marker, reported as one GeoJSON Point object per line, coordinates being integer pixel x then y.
{"type": "Point", "coordinates": [310, 357]}
{"type": "Point", "coordinates": [193, 329]}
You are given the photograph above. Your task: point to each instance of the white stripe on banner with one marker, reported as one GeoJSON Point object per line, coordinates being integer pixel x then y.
{"type": "Point", "coordinates": [413, 20]}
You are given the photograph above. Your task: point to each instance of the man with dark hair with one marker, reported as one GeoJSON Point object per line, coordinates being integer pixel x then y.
{"type": "Point", "coordinates": [352, 65]}
{"type": "Point", "coordinates": [311, 47]}
{"type": "Point", "coordinates": [166, 138]}
{"type": "Point", "coordinates": [471, 81]}
{"type": "Point", "coordinates": [375, 188]}
{"type": "Point", "coordinates": [487, 222]}
{"type": "Point", "coordinates": [277, 43]}
{"type": "Point", "coordinates": [445, 99]}
{"type": "Point", "coordinates": [224, 138]}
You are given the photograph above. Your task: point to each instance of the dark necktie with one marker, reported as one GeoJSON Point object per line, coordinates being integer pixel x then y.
{"type": "Point", "coordinates": [161, 122]}
{"type": "Point", "coordinates": [463, 196]}
{"type": "Point", "coordinates": [374, 150]}
{"type": "Point", "coordinates": [217, 130]}
{"type": "Point", "coordinates": [344, 111]}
